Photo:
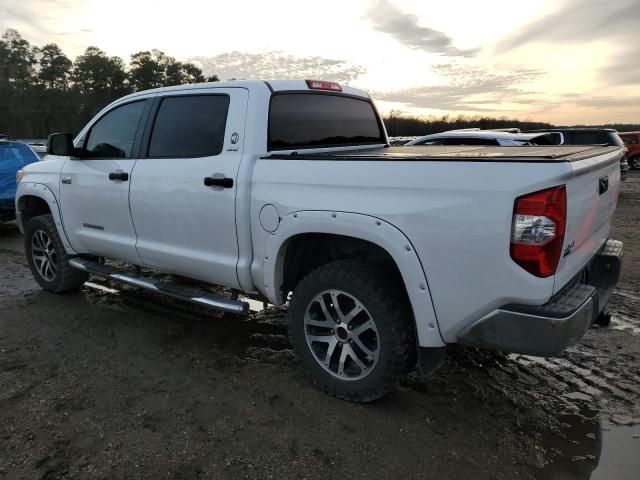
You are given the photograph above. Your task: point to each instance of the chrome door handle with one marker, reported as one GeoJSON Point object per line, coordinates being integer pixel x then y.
{"type": "Point", "coordinates": [119, 175]}
{"type": "Point", "coordinates": [218, 181]}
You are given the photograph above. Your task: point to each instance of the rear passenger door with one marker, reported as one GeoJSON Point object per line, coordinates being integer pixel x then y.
{"type": "Point", "coordinates": [183, 187]}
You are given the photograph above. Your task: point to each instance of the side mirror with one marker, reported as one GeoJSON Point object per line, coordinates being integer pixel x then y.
{"type": "Point", "coordinates": [60, 144]}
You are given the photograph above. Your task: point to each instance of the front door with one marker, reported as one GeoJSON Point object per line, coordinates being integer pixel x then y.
{"type": "Point", "coordinates": [94, 189]}
{"type": "Point", "coordinates": [183, 187]}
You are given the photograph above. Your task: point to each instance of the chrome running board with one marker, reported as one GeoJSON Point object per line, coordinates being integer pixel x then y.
{"type": "Point", "coordinates": [193, 295]}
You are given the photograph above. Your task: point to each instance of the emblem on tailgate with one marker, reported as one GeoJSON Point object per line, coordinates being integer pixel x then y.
{"type": "Point", "coordinates": [569, 248]}
{"type": "Point", "coordinates": [603, 184]}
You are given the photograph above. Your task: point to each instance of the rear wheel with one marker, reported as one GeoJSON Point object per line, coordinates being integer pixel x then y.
{"type": "Point", "coordinates": [635, 162]}
{"type": "Point", "coordinates": [47, 258]}
{"type": "Point", "coordinates": [353, 330]}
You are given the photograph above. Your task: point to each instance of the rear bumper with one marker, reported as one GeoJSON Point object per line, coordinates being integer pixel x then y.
{"type": "Point", "coordinates": [546, 330]}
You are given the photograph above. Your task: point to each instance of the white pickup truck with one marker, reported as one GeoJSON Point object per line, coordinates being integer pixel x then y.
{"type": "Point", "coordinates": [289, 190]}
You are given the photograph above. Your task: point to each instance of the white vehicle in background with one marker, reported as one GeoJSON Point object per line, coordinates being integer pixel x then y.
{"type": "Point", "coordinates": [289, 190]}
{"type": "Point", "coordinates": [39, 147]}
{"type": "Point", "coordinates": [482, 137]}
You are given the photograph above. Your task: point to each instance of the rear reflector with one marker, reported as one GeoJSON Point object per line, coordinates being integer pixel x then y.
{"type": "Point", "coordinates": [322, 85]}
{"type": "Point", "coordinates": [537, 230]}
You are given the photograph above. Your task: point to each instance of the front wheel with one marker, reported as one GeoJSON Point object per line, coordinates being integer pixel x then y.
{"type": "Point", "coordinates": [353, 329]}
{"type": "Point", "coordinates": [47, 258]}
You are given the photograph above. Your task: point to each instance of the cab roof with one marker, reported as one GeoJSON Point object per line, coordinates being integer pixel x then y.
{"type": "Point", "coordinates": [268, 86]}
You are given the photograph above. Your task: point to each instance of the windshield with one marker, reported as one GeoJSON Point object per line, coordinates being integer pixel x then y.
{"type": "Point", "coordinates": [318, 120]}
{"type": "Point", "coordinates": [13, 157]}
{"type": "Point", "coordinates": [16, 154]}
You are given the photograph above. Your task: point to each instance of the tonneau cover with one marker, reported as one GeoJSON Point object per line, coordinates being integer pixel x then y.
{"type": "Point", "coordinates": [544, 154]}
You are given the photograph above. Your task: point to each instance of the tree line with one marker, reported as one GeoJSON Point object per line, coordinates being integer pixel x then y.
{"type": "Point", "coordinates": [400, 125]}
{"type": "Point", "coordinates": [409, 126]}
{"type": "Point", "coordinates": [43, 91]}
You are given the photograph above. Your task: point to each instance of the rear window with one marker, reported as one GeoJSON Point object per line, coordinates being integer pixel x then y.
{"type": "Point", "coordinates": [308, 120]}
{"type": "Point", "coordinates": [189, 126]}
{"type": "Point", "coordinates": [595, 138]}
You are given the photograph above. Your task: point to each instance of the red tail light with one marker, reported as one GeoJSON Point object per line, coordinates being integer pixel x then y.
{"type": "Point", "coordinates": [537, 230]}
{"type": "Point", "coordinates": [322, 85]}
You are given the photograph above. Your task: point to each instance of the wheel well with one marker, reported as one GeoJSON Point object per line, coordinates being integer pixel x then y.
{"type": "Point", "coordinates": [31, 206]}
{"type": "Point", "coordinates": [308, 251]}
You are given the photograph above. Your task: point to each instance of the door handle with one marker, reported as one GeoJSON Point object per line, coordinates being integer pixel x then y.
{"type": "Point", "coordinates": [119, 175]}
{"type": "Point", "coordinates": [216, 181]}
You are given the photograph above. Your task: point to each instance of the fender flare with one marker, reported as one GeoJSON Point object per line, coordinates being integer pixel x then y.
{"type": "Point", "coordinates": [43, 192]}
{"type": "Point", "coordinates": [363, 227]}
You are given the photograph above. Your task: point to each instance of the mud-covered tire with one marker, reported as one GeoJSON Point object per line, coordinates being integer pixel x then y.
{"type": "Point", "coordinates": [65, 278]}
{"type": "Point", "coordinates": [387, 306]}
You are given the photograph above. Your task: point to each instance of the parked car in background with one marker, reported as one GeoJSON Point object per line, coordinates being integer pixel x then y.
{"type": "Point", "coordinates": [632, 141]}
{"type": "Point", "coordinates": [39, 147]}
{"type": "Point", "coordinates": [587, 136]}
{"type": "Point", "coordinates": [13, 157]}
{"type": "Point", "coordinates": [399, 141]}
{"type": "Point", "coordinates": [482, 137]}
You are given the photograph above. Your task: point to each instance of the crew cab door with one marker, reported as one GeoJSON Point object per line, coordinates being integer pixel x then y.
{"type": "Point", "coordinates": [94, 189]}
{"type": "Point", "coordinates": [184, 185]}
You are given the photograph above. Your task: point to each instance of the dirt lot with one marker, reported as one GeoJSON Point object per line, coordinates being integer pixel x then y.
{"type": "Point", "coordinates": [115, 383]}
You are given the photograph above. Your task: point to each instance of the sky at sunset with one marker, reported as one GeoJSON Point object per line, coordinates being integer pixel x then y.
{"type": "Point", "coordinates": [565, 62]}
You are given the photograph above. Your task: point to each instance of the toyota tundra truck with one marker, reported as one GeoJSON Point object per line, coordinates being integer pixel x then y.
{"type": "Point", "coordinates": [289, 191]}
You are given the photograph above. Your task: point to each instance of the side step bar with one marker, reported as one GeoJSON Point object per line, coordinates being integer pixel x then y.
{"type": "Point", "coordinates": [180, 292]}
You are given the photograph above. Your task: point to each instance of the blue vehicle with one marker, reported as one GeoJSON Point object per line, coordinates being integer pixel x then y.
{"type": "Point", "coordinates": [13, 157]}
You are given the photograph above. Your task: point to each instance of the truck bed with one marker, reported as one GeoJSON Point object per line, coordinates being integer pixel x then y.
{"type": "Point", "coordinates": [455, 205]}
{"type": "Point", "coordinates": [527, 154]}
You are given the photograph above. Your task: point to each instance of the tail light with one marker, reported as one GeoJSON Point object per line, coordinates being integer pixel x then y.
{"type": "Point", "coordinates": [537, 230]}
{"type": "Point", "coordinates": [322, 85]}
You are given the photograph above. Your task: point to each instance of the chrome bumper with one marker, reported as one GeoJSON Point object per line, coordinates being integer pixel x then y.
{"type": "Point", "coordinates": [546, 330]}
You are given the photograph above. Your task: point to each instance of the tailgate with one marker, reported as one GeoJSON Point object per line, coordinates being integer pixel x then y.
{"type": "Point", "coordinates": [592, 194]}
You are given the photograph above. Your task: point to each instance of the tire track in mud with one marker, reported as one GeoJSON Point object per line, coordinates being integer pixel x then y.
{"type": "Point", "coordinates": [577, 375]}
{"type": "Point", "coordinates": [265, 329]}
{"type": "Point", "coordinates": [577, 369]}
{"type": "Point", "coordinates": [529, 411]}
{"type": "Point", "coordinates": [263, 335]}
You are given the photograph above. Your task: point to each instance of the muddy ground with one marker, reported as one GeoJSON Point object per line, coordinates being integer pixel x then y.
{"type": "Point", "coordinates": [117, 383]}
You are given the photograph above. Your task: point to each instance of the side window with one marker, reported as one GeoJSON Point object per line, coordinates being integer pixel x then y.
{"type": "Point", "coordinates": [556, 138]}
{"type": "Point", "coordinates": [189, 126]}
{"type": "Point", "coordinates": [629, 139]}
{"type": "Point", "coordinates": [112, 136]}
